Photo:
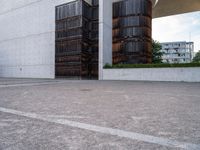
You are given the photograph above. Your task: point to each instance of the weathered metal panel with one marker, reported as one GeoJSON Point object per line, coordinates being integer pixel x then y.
{"type": "Point", "coordinates": [132, 31]}
{"type": "Point", "coordinates": [76, 40]}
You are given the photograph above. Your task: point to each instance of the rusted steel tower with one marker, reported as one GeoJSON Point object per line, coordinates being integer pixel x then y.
{"type": "Point", "coordinates": [132, 31]}
{"type": "Point", "coordinates": [77, 40]}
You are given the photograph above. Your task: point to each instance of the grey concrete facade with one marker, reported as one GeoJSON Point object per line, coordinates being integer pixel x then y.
{"type": "Point", "coordinates": [105, 34]}
{"type": "Point", "coordinates": [154, 74]}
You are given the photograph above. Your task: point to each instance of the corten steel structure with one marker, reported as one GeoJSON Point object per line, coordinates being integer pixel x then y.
{"type": "Point", "coordinates": [132, 31]}
{"type": "Point", "coordinates": [76, 40]}
{"type": "Point", "coordinates": [29, 35]}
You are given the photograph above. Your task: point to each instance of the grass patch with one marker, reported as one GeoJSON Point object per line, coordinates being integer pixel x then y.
{"type": "Point", "coordinates": [107, 66]}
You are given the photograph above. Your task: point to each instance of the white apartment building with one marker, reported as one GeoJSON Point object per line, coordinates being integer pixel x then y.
{"type": "Point", "coordinates": [177, 52]}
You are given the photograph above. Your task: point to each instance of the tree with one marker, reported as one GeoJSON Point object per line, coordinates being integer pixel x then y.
{"type": "Point", "coordinates": [196, 59]}
{"type": "Point", "coordinates": [156, 52]}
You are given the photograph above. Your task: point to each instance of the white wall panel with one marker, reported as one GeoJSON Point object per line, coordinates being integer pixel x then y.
{"type": "Point", "coordinates": [27, 39]}
{"type": "Point", "coordinates": [9, 5]}
{"type": "Point", "coordinates": [190, 74]}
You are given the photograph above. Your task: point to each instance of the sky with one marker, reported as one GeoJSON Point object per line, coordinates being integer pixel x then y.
{"type": "Point", "coordinates": [185, 27]}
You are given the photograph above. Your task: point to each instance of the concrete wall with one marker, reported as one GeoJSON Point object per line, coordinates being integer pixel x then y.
{"type": "Point", "coordinates": [27, 38]}
{"type": "Point", "coordinates": [105, 34]}
{"type": "Point", "coordinates": [154, 74]}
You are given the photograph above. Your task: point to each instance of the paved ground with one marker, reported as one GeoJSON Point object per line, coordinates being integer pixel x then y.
{"type": "Point", "coordinates": [103, 115]}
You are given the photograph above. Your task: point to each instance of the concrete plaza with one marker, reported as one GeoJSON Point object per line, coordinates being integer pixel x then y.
{"type": "Point", "coordinates": [62, 114]}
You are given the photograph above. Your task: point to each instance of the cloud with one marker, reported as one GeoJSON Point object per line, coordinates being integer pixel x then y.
{"type": "Point", "coordinates": [185, 27]}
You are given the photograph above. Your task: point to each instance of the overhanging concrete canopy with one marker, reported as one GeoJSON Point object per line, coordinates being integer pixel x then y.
{"type": "Point", "coordinates": [164, 8]}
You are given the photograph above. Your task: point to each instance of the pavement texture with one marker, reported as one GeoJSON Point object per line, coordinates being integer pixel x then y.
{"type": "Point", "coordinates": [36, 114]}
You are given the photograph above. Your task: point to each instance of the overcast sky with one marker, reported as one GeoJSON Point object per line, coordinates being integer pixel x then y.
{"type": "Point", "coordinates": [183, 27]}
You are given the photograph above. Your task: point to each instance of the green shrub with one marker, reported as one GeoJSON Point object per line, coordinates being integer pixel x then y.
{"type": "Point", "coordinates": [152, 65]}
{"type": "Point", "coordinates": [108, 66]}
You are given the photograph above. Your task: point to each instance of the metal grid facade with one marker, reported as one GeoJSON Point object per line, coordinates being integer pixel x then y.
{"type": "Point", "coordinates": [132, 31]}
{"type": "Point", "coordinates": [77, 40]}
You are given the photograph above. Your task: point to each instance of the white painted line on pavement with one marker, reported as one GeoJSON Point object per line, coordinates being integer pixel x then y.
{"type": "Point", "coordinates": [111, 131]}
{"type": "Point", "coordinates": [29, 84]}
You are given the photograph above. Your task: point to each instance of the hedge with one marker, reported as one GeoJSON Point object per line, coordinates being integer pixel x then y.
{"type": "Point", "coordinates": [107, 66]}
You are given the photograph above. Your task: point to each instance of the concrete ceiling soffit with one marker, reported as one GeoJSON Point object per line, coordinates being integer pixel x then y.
{"type": "Point", "coordinates": [164, 8]}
